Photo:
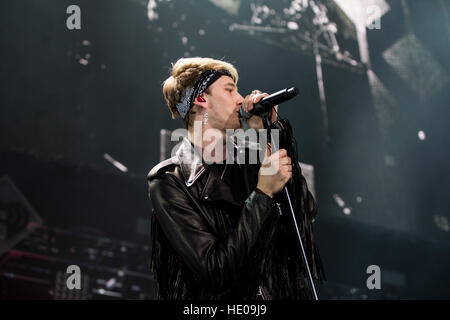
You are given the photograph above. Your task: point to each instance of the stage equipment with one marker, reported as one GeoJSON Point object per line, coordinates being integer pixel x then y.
{"type": "Point", "coordinates": [36, 268]}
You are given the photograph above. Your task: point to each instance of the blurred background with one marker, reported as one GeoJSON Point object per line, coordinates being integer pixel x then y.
{"type": "Point", "coordinates": [81, 114]}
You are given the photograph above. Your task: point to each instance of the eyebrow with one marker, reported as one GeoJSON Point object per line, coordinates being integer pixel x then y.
{"type": "Point", "coordinates": [230, 84]}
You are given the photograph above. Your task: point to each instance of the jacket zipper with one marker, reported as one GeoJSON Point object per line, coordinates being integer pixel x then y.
{"type": "Point", "coordinates": [279, 208]}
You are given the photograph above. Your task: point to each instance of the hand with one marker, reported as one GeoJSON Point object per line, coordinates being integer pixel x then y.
{"type": "Point", "coordinates": [275, 172]}
{"type": "Point", "coordinates": [250, 100]}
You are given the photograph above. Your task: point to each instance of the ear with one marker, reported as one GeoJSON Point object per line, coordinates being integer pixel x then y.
{"type": "Point", "coordinates": [201, 102]}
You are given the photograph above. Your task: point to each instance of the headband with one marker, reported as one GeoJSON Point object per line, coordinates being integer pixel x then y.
{"type": "Point", "coordinates": [207, 78]}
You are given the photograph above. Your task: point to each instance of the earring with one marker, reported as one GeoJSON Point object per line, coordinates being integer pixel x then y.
{"type": "Point", "coordinates": [205, 118]}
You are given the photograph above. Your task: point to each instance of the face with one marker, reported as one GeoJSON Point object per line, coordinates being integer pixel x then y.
{"type": "Point", "coordinates": [223, 103]}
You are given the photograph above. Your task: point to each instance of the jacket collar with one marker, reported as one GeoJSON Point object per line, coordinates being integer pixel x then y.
{"type": "Point", "coordinates": [191, 162]}
{"type": "Point", "coordinates": [192, 167]}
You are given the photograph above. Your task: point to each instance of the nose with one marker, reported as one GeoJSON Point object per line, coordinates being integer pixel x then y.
{"type": "Point", "coordinates": [240, 99]}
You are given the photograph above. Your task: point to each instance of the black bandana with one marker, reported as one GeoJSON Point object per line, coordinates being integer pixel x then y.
{"type": "Point", "coordinates": [207, 78]}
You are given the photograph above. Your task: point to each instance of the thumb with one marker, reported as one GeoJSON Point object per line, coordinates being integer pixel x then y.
{"type": "Point", "coordinates": [269, 166]}
{"type": "Point", "coordinates": [269, 149]}
{"type": "Point", "coordinates": [267, 153]}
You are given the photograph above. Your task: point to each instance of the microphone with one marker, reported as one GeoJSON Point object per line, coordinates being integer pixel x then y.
{"type": "Point", "coordinates": [266, 103]}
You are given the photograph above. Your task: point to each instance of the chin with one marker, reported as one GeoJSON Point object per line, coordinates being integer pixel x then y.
{"type": "Point", "coordinates": [236, 125]}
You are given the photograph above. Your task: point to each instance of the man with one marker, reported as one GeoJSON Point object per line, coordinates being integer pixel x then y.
{"type": "Point", "coordinates": [217, 232]}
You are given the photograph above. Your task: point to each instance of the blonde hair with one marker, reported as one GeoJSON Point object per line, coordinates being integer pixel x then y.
{"type": "Point", "coordinates": [185, 73]}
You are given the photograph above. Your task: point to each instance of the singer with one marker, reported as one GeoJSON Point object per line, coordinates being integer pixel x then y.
{"type": "Point", "coordinates": [217, 231]}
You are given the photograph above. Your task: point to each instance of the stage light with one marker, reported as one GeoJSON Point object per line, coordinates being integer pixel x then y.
{"type": "Point", "coordinates": [347, 211]}
{"type": "Point", "coordinates": [339, 200]}
{"type": "Point", "coordinates": [115, 163]}
{"type": "Point", "coordinates": [151, 13]}
{"type": "Point", "coordinates": [292, 25]}
{"type": "Point", "coordinates": [110, 283]}
{"type": "Point", "coordinates": [422, 135]}
{"type": "Point", "coordinates": [84, 62]}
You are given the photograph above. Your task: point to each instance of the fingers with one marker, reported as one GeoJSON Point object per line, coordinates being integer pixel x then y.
{"type": "Point", "coordinates": [285, 173]}
{"type": "Point", "coordinates": [285, 160]}
{"type": "Point", "coordinates": [275, 171]}
{"type": "Point", "coordinates": [282, 152]}
{"type": "Point", "coordinates": [288, 177]}
{"type": "Point", "coordinates": [280, 158]}
{"type": "Point", "coordinates": [252, 99]}
{"type": "Point", "coordinates": [274, 114]}
{"type": "Point", "coordinates": [285, 165]}
{"type": "Point", "coordinates": [257, 97]}
{"type": "Point", "coordinates": [267, 155]}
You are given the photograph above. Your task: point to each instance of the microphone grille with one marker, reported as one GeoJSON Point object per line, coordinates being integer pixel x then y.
{"type": "Point", "coordinates": [292, 92]}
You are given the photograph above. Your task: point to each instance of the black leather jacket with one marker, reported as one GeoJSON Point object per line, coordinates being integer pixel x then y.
{"type": "Point", "coordinates": [216, 236]}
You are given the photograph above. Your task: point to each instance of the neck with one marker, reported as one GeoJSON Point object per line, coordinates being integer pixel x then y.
{"type": "Point", "coordinates": [208, 141]}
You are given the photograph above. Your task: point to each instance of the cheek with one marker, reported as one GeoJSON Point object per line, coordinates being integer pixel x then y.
{"type": "Point", "coordinates": [224, 108]}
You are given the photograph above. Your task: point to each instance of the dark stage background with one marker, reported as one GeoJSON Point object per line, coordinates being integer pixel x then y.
{"type": "Point", "coordinates": [73, 100]}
